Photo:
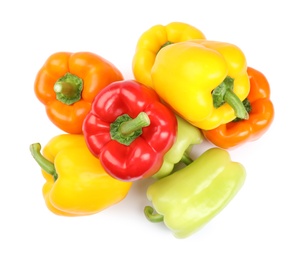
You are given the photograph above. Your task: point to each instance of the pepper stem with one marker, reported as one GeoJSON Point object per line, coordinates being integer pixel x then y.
{"type": "Point", "coordinates": [129, 127]}
{"type": "Point", "coordinates": [126, 129]}
{"type": "Point", "coordinates": [165, 44]}
{"type": "Point", "coordinates": [236, 104]}
{"type": "Point", "coordinates": [68, 89]}
{"type": "Point", "coordinates": [248, 108]}
{"type": "Point", "coordinates": [45, 164]}
{"type": "Point", "coordinates": [186, 159]}
{"type": "Point", "coordinates": [224, 94]}
{"type": "Point", "coordinates": [151, 215]}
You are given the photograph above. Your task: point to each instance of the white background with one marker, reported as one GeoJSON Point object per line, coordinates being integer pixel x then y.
{"type": "Point", "coordinates": [265, 219]}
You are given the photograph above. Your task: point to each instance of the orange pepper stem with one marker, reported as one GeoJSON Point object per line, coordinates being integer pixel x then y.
{"type": "Point", "coordinates": [224, 94]}
{"type": "Point", "coordinates": [68, 88]}
{"type": "Point", "coordinates": [151, 215]}
{"type": "Point", "coordinates": [126, 129]}
{"type": "Point", "coordinates": [45, 164]}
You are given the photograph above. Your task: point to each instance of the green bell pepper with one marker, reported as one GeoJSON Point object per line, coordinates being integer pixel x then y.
{"type": "Point", "coordinates": [190, 197]}
{"type": "Point", "coordinates": [187, 136]}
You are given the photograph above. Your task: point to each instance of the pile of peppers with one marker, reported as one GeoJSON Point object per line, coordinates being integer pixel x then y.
{"type": "Point", "coordinates": [185, 90]}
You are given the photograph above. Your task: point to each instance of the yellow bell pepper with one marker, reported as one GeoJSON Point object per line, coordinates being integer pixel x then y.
{"type": "Point", "coordinates": [152, 40]}
{"type": "Point", "coordinates": [203, 81]}
{"type": "Point", "coordinates": [76, 184]}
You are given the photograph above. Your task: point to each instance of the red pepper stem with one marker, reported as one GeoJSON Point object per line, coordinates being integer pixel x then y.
{"type": "Point", "coordinates": [45, 164]}
{"type": "Point", "coordinates": [151, 215]}
{"type": "Point", "coordinates": [68, 89]}
{"type": "Point", "coordinates": [129, 127]}
{"type": "Point", "coordinates": [126, 129]}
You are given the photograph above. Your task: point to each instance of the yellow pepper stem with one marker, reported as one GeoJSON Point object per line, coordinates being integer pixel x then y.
{"type": "Point", "coordinates": [151, 215]}
{"type": "Point", "coordinates": [165, 44]}
{"type": "Point", "coordinates": [45, 164]}
{"type": "Point", "coordinates": [248, 108]}
{"type": "Point", "coordinates": [237, 105]}
{"type": "Point", "coordinates": [224, 94]}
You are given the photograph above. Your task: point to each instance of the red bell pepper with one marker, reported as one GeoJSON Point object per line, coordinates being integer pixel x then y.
{"type": "Point", "coordinates": [129, 130]}
{"type": "Point", "coordinates": [261, 115]}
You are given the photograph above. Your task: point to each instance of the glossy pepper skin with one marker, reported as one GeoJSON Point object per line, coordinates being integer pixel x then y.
{"type": "Point", "coordinates": [67, 84]}
{"type": "Point", "coordinates": [189, 198]}
{"type": "Point", "coordinates": [187, 136]}
{"type": "Point", "coordinates": [129, 130]}
{"type": "Point", "coordinates": [76, 184]}
{"type": "Point", "coordinates": [261, 116]}
{"type": "Point", "coordinates": [203, 81]}
{"type": "Point", "coordinates": [152, 40]}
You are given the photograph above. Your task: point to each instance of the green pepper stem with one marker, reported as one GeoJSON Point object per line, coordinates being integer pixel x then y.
{"type": "Point", "coordinates": [186, 159]}
{"type": "Point", "coordinates": [129, 127]}
{"type": "Point", "coordinates": [224, 94]}
{"type": "Point", "coordinates": [151, 215]}
{"type": "Point", "coordinates": [45, 164]}
{"type": "Point", "coordinates": [68, 89]}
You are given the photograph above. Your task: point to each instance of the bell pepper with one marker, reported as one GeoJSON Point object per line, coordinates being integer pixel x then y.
{"type": "Point", "coordinates": [192, 196]}
{"type": "Point", "coordinates": [261, 115]}
{"type": "Point", "coordinates": [76, 184]}
{"type": "Point", "coordinates": [203, 81]}
{"type": "Point", "coordinates": [151, 42]}
{"type": "Point", "coordinates": [129, 130]}
{"type": "Point", "coordinates": [67, 84]}
{"type": "Point", "coordinates": [187, 136]}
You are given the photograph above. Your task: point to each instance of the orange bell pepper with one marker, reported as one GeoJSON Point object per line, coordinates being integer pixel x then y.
{"type": "Point", "coordinates": [67, 84]}
{"type": "Point", "coordinates": [261, 116]}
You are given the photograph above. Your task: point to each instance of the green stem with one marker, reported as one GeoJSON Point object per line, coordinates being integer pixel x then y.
{"type": "Point", "coordinates": [237, 105]}
{"type": "Point", "coordinates": [224, 94]}
{"type": "Point", "coordinates": [126, 129]}
{"type": "Point", "coordinates": [68, 89]}
{"type": "Point", "coordinates": [151, 215]}
{"type": "Point", "coordinates": [165, 44]}
{"type": "Point", "coordinates": [45, 164]}
{"type": "Point", "coordinates": [129, 127]}
{"type": "Point", "coordinates": [186, 159]}
{"type": "Point", "coordinates": [248, 108]}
